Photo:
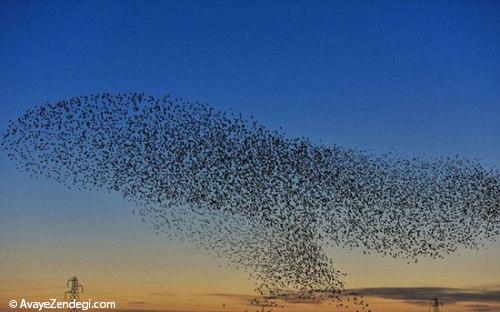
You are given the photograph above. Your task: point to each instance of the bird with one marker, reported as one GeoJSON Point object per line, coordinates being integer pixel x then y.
{"type": "Point", "coordinates": [265, 202]}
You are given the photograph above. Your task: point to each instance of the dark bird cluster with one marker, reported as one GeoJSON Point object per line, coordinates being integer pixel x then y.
{"type": "Point", "coordinates": [268, 203]}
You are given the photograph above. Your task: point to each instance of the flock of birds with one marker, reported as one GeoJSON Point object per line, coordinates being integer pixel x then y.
{"type": "Point", "coordinates": [267, 203]}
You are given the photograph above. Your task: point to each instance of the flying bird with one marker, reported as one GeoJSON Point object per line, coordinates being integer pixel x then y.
{"type": "Point", "coordinates": [267, 203]}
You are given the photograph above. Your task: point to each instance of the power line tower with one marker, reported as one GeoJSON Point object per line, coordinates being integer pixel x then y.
{"type": "Point", "coordinates": [436, 305]}
{"type": "Point", "coordinates": [74, 292]}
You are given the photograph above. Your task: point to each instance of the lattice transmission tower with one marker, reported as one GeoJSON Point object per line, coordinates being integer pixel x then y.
{"type": "Point", "coordinates": [73, 294]}
{"type": "Point", "coordinates": [436, 305]}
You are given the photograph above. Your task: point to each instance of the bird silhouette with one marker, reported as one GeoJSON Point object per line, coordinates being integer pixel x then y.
{"type": "Point", "coordinates": [267, 203]}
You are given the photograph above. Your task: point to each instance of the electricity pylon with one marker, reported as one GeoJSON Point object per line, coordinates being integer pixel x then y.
{"type": "Point", "coordinates": [436, 305]}
{"type": "Point", "coordinates": [74, 292]}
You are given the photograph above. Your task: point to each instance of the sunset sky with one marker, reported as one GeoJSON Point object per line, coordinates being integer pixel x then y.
{"type": "Point", "coordinates": [415, 78]}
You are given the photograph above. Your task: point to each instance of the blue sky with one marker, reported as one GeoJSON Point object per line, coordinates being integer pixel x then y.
{"type": "Point", "coordinates": [421, 77]}
{"type": "Point", "coordinates": [417, 77]}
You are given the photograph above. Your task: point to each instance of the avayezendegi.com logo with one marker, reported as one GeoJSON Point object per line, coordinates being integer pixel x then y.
{"type": "Point", "coordinates": [56, 304]}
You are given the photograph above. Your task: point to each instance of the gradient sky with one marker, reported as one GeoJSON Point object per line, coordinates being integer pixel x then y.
{"type": "Point", "coordinates": [413, 77]}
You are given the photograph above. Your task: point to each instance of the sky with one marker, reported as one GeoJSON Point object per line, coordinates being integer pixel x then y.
{"type": "Point", "coordinates": [416, 78]}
